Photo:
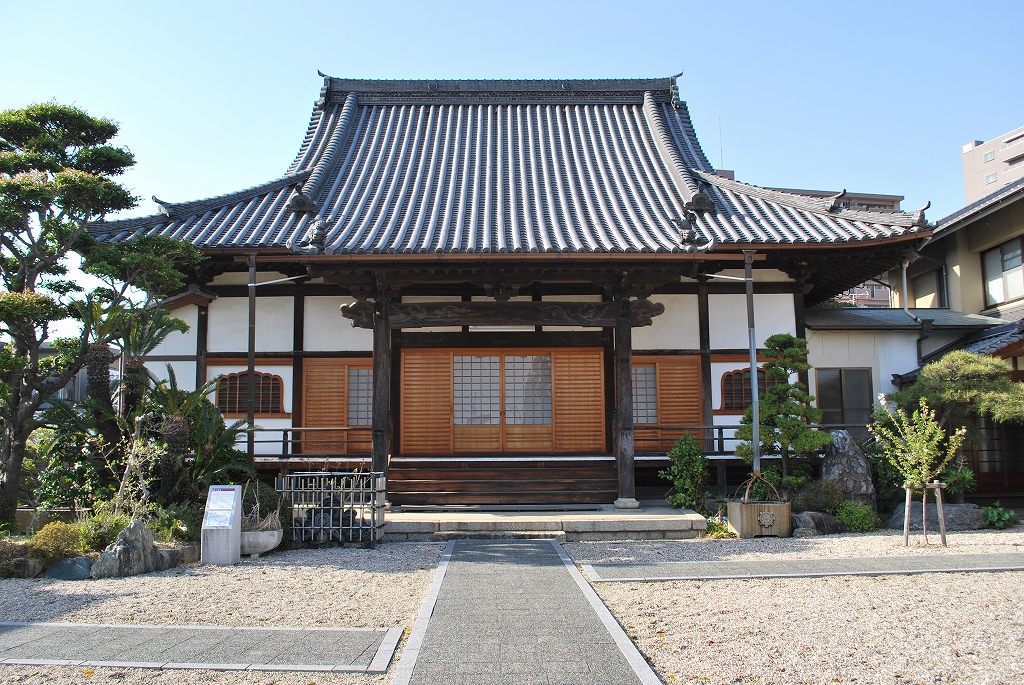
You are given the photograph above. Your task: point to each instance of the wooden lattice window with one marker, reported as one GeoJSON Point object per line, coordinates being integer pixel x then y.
{"type": "Point", "coordinates": [736, 389]}
{"type": "Point", "coordinates": [233, 388]}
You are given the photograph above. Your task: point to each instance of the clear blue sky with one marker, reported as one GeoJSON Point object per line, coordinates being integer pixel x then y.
{"type": "Point", "coordinates": [215, 96]}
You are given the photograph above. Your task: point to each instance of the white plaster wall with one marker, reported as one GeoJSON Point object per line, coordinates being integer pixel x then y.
{"type": "Point", "coordinates": [897, 353]}
{"type": "Point", "coordinates": [242, 278]}
{"type": "Point", "coordinates": [229, 324]}
{"type": "Point", "coordinates": [884, 352]}
{"type": "Point", "coordinates": [184, 373]}
{"type": "Point", "coordinates": [415, 299]}
{"type": "Point", "coordinates": [181, 343]}
{"type": "Point", "coordinates": [677, 329]}
{"type": "Point", "coordinates": [773, 313]}
{"type": "Point", "coordinates": [571, 298]}
{"type": "Point", "coordinates": [760, 275]}
{"type": "Point", "coordinates": [326, 330]}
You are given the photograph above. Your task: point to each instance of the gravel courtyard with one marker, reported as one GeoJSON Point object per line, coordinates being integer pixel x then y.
{"type": "Point", "coordinates": [898, 630]}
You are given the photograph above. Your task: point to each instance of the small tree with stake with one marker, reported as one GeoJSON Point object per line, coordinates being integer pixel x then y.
{"type": "Point", "coordinates": [918, 447]}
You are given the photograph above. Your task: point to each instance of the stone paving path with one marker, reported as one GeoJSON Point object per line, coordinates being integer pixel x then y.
{"type": "Point", "coordinates": [517, 612]}
{"type": "Point", "coordinates": [805, 568]}
{"type": "Point", "coordinates": [220, 648]}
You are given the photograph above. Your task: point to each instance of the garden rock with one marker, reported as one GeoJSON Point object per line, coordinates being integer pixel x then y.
{"type": "Point", "coordinates": [169, 558]}
{"type": "Point", "coordinates": [76, 568]}
{"type": "Point", "coordinates": [131, 554]}
{"type": "Point", "coordinates": [848, 466]}
{"type": "Point", "coordinates": [958, 517]}
{"type": "Point", "coordinates": [26, 567]}
{"type": "Point", "coordinates": [815, 523]}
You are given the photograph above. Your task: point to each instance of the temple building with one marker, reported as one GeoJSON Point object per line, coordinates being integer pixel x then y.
{"type": "Point", "coordinates": [502, 291]}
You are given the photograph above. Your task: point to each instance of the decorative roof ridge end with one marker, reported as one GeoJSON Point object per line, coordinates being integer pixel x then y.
{"type": "Point", "coordinates": [814, 204]}
{"type": "Point", "coordinates": [304, 197]}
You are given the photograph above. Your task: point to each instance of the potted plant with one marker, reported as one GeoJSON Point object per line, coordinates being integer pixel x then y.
{"type": "Point", "coordinates": [261, 526]}
{"type": "Point", "coordinates": [782, 421]}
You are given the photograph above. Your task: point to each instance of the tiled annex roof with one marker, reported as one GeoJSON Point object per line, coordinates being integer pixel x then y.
{"type": "Point", "coordinates": [886, 319]}
{"type": "Point", "coordinates": [958, 218]}
{"type": "Point", "coordinates": [435, 167]}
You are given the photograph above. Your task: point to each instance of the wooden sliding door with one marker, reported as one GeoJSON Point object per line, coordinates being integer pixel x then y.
{"type": "Point", "coordinates": [502, 401]}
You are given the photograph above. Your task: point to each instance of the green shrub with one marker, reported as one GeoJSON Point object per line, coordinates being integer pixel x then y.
{"type": "Point", "coordinates": [101, 527]}
{"type": "Point", "coordinates": [857, 517]}
{"type": "Point", "coordinates": [819, 495]}
{"type": "Point", "coordinates": [687, 471]}
{"type": "Point", "coordinates": [56, 540]}
{"type": "Point", "coordinates": [178, 521]}
{"type": "Point", "coordinates": [998, 517]}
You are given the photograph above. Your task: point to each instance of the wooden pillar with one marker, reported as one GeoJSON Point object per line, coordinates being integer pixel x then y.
{"type": "Point", "coordinates": [707, 406]}
{"type": "Point", "coordinates": [381, 422]}
{"type": "Point", "coordinates": [250, 376]}
{"type": "Point", "coordinates": [624, 410]}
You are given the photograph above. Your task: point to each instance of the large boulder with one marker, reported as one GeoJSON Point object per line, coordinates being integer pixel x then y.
{"type": "Point", "coordinates": [847, 465]}
{"type": "Point", "coordinates": [75, 568]}
{"type": "Point", "coordinates": [131, 554]}
{"type": "Point", "coordinates": [957, 516]}
{"type": "Point", "coordinates": [808, 523]}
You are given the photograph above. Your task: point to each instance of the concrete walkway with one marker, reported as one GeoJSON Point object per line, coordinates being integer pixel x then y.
{"type": "Point", "coordinates": [178, 647]}
{"type": "Point", "coordinates": [519, 613]}
{"type": "Point", "coordinates": [805, 568]}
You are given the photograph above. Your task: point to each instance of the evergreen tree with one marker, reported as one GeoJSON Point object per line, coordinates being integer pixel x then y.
{"type": "Point", "coordinates": [57, 174]}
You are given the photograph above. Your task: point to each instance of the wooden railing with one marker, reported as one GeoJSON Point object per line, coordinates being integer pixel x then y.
{"type": "Point", "coordinates": [650, 440]}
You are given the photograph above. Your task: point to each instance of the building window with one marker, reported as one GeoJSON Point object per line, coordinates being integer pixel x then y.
{"type": "Point", "coordinates": [645, 394]}
{"type": "Point", "coordinates": [844, 398]}
{"type": "Point", "coordinates": [736, 389]}
{"type": "Point", "coordinates": [233, 388]}
{"type": "Point", "coordinates": [1004, 277]}
{"type": "Point", "coordinates": [528, 390]}
{"type": "Point", "coordinates": [990, 155]}
{"type": "Point", "coordinates": [360, 396]}
{"type": "Point", "coordinates": [991, 178]}
{"type": "Point", "coordinates": [477, 390]}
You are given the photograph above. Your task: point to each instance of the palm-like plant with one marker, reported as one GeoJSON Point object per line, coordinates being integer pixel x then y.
{"type": "Point", "coordinates": [178, 406]}
{"type": "Point", "coordinates": [141, 334]}
{"type": "Point", "coordinates": [103, 321]}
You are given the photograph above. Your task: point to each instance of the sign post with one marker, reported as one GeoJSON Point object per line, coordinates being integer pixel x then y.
{"type": "Point", "coordinates": [222, 526]}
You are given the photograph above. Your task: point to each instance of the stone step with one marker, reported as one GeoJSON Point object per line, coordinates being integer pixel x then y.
{"type": "Point", "coordinates": [445, 535]}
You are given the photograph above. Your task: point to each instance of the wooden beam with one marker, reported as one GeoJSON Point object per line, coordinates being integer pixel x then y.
{"type": "Point", "coordinates": [424, 315]}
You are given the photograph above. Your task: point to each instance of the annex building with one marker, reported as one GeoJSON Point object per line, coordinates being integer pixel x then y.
{"type": "Point", "coordinates": [500, 291]}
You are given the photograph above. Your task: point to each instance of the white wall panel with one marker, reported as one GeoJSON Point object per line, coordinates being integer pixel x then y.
{"type": "Point", "coordinates": [326, 330]}
{"type": "Point", "coordinates": [229, 324]}
{"type": "Point", "coordinates": [184, 372]}
{"type": "Point", "coordinates": [677, 329]}
{"type": "Point", "coordinates": [773, 313]}
{"type": "Point", "coordinates": [181, 343]}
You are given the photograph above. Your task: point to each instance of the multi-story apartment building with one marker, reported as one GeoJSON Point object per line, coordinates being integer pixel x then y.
{"type": "Point", "coordinates": [992, 164]}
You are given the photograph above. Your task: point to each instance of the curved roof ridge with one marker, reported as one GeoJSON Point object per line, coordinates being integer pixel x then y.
{"type": "Point", "coordinates": [304, 198]}
{"type": "Point", "coordinates": [667, 148]}
{"type": "Point", "coordinates": [811, 204]}
{"type": "Point", "coordinates": [183, 210]}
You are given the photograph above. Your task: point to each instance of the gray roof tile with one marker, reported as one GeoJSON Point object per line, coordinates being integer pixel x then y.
{"type": "Point", "coordinates": [602, 166]}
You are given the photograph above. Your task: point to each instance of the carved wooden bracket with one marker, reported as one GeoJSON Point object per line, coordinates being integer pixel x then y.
{"type": "Point", "coordinates": [597, 314]}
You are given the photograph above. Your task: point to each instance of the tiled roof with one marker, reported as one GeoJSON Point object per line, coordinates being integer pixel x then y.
{"type": "Point", "coordinates": [869, 318]}
{"type": "Point", "coordinates": [995, 339]}
{"type": "Point", "coordinates": [952, 221]}
{"type": "Point", "coordinates": [425, 167]}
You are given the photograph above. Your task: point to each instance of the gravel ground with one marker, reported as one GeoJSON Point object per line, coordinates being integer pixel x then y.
{"type": "Point", "coordinates": [340, 587]}
{"type": "Point", "coordinates": [892, 630]}
{"type": "Point", "coordinates": [896, 630]}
